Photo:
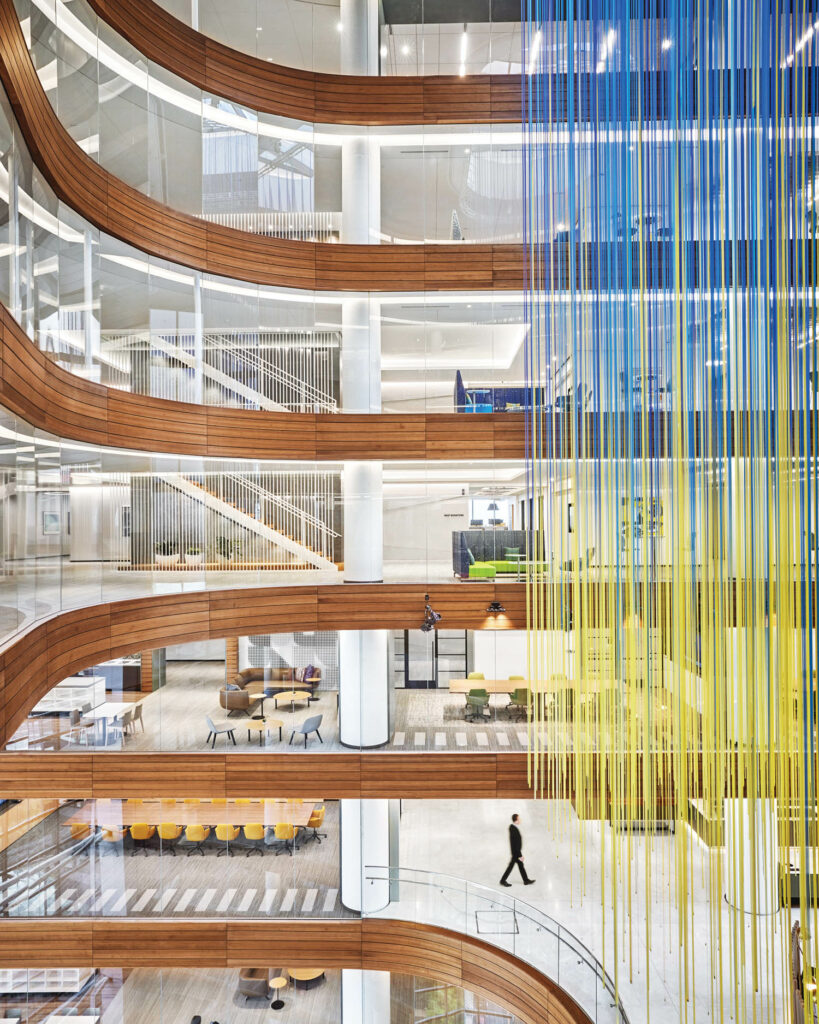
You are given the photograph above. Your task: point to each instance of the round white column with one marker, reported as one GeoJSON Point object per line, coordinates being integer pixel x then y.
{"type": "Point", "coordinates": [363, 694]}
{"type": "Point", "coordinates": [365, 997]}
{"type": "Point", "coordinates": [751, 855]}
{"type": "Point", "coordinates": [362, 488]}
{"type": "Point", "coordinates": [365, 842]}
{"type": "Point", "coordinates": [359, 37]}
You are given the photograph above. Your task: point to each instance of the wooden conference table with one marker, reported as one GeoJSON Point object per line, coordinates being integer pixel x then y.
{"type": "Point", "coordinates": [154, 812]}
{"type": "Point", "coordinates": [580, 686]}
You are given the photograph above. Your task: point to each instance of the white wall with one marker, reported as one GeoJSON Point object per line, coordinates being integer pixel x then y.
{"type": "Point", "coordinates": [418, 522]}
{"type": "Point", "coordinates": [502, 653]}
{"type": "Point", "coordinates": [201, 650]}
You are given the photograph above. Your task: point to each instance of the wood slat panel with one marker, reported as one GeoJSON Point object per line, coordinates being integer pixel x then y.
{"type": "Point", "coordinates": [402, 947]}
{"type": "Point", "coordinates": [307, 95]}
{"type": "Point", "coordinates": [122, 211]}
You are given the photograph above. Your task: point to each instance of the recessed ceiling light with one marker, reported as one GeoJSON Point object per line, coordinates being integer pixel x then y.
{"type": "Point", "coordinates": [405, 49]}
{"type": "Point", "coordinates": [383, 51]}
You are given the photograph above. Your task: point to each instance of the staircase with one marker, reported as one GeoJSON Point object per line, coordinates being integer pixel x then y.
{"type": "Point", "coordinates": [304, 537]}
{"type": "Point", "coordinates": [231, 361]}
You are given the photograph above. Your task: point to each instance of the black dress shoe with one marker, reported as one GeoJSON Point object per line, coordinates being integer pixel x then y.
{"type": "Point", "coordinates": [529, 881]}
{"type": "Point", "coordinates": [507, 885]}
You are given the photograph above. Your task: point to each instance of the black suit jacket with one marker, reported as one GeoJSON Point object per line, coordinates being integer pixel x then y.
{"type": "Point", "coordinates": [515, 841]}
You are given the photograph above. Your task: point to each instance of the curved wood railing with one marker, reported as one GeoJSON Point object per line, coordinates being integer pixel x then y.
{"type": "Point", "coordinates": [51, 398]}
{"type": "Point", "coordinates": [120, 210]}
{"type": "Point", "coordinates": [35, 661]}
{"type": "Point", "coordinates": [308, 95]}
{"type": "Point", "coordinates": [402, 947]}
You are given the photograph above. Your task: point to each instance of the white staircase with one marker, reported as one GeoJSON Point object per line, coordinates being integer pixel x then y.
{"type": "Point", "coordinates": [274, 534]}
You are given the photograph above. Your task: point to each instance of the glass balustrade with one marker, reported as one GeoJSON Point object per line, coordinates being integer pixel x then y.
{"type": "Point", "coordinates": [507, 922]}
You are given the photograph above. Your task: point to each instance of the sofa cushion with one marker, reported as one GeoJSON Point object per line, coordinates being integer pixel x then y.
{"type": "Point", "coordinates": [482, 570]}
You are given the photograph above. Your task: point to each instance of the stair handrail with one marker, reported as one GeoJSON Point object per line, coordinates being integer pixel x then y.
{"type": "Point", "coordinates": [274, 374]}
{"type": "Point", "coordinates": [277, 499]}
{"type": "Point", "coordinates": [520, 909]}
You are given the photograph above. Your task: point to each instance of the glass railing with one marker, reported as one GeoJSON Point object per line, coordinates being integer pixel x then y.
{"type": "Point", "coordinates": [503, 921]}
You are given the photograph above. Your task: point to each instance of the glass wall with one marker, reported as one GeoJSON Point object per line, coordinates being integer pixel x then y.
{"type": "Point", "coordinates": [239, 996]}
{"type": "Point", "coordinates": [272, 857]}
{"type": "Point", "coordinates": [216, 159]}
{"type": "Point", "coordinates": [106, 311]}
{"type": "Point", "coordinates": [83, 525]}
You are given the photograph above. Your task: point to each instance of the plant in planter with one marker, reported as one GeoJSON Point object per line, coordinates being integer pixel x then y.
{"type": "Point", "coordinates": [227, 548]}
{"type": "Point", "coordinates": [166, 552]}
{"type": "Point", "coordinates": [194, 555]}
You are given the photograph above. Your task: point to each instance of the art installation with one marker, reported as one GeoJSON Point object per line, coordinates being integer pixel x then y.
{"type": "Point", "coordinates": [671, 196]}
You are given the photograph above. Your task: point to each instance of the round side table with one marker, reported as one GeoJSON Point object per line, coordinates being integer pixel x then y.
{"type": "Point", "coordinates": [275, 985]}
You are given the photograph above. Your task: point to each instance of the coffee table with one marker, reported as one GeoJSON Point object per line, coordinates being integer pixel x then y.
{"type": "Point", "coordinates": [263, 725]}
{"type": "Point", "coordinates": [292, 696]}
{"type": "Point", "coordinates": [306, 975]}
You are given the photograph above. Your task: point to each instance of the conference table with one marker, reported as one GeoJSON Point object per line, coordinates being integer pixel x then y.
{"type": "Point", "coordinates": [154, 812]}
{"type": "Point", "coordinates": [110, 711]}
{"type": "Point", "coordinates": [579, 686]}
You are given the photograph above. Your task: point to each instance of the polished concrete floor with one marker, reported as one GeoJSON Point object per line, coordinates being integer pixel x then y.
{"type": "Point", "coordinates": [469, 840]}
{"type": "Point", "coordinates": [174, 718]}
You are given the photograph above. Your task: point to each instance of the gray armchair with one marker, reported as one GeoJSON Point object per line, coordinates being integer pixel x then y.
{"type": "Point", "coordinates": [307, 726]}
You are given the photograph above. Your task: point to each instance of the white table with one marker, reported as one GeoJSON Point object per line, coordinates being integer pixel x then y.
{"type": "Point", "coordinates": [105, 713]}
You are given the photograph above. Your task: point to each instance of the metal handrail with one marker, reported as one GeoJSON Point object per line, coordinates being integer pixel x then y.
{"type": "Point", "coordinates": [523, 910]}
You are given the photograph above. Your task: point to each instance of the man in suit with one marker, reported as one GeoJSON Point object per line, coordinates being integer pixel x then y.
{"type": "Point", "coordinates": [516, 849]}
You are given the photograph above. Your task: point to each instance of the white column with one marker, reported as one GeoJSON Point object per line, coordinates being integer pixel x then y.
{"type": "Point", "coordinates": [361, 354]}
{"type": "Point", "coordinates": [364, 688]}
{"type": "Point", "coordinates": [91, 324]}
{"type": "Point", "coordinates": [363, 522]}
{"type": "Point", "coordinates": [365, 842]}
{"type": "Point", "coordinates": [751, 855]}
{"type": "Point", "coordinates": [198, 341]}
{"type": "Point", "coordinates": [15, 303]}
{"type": "Point", "coordinates": [195, 15]}
{"type": "Point", "coordinates": [365, 997]}
{"type": "Point", "coordinates": [359, 37]}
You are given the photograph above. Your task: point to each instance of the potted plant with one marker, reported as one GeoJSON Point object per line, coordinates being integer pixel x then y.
{"type": "Point", "coordinates": [227, 548]}
{"type": "Point", "coordinates": [193, 555]}
{"type": "Point", "coordinates": [166, 552]}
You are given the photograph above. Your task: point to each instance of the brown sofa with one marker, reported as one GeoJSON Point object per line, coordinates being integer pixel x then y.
{"type": "Point", "coordinates": [236, 700]}
{"type": "Point", "coordinates": [277, 679]}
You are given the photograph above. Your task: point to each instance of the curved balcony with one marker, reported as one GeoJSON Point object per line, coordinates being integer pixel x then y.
{"type": "Point", "coordinates": [124, 212]}
{"type": "Point", "coordinates": [511, 924]}
{"type": "Point", "coordinates": [315, 96]}
{"type": "Point", "coordinates": [400, 947]}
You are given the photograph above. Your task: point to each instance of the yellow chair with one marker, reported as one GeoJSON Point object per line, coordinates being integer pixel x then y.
{"type": "Point", "coordinates": [141, 833]}
{"type": "Point", "coordinates": [226, 834]}
{"type": "Point", "coordinates": [192, 800]}
{"type": "Point", "coordinates": [169, 833]}
{"type": "Point", "coordinates": [315, 823]}
{"type": "Point", "coordinates": [168, 801]}
{"type": "Point", "coordinates": [196, 835]}
{"type": "Point", "coordinates": [134, 800]}
{"type": "Point", "coordinates": [516, 678]}
{"type": "Point", "coordinates": [219, 802]}
{"type": "Point", "coordinates": [242, 801]}
{"type": "Point", "coordinates": [285, 836]}
{"type": "Point", "coordinates": [254, 834]}
{"type": "Point", "coordinates": [476, 675]}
